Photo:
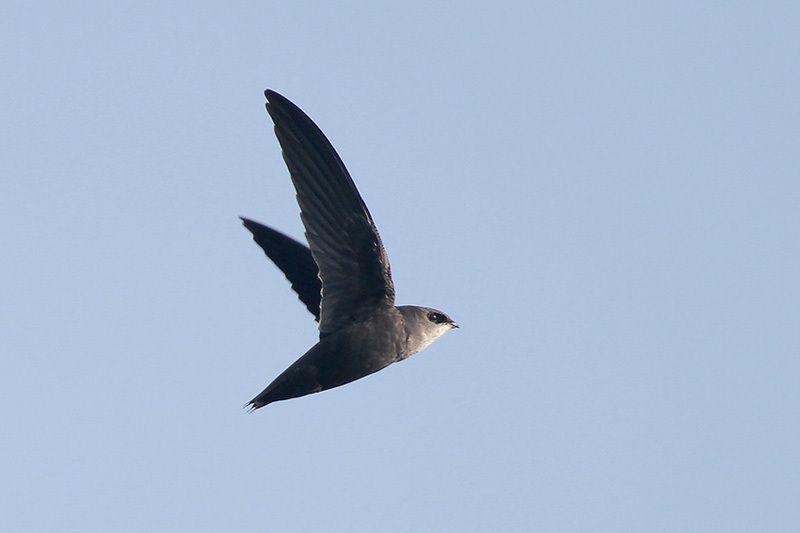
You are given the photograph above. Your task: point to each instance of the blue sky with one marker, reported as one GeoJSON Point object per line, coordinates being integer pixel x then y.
{"type": "Point", "coordinates": [604, 196]}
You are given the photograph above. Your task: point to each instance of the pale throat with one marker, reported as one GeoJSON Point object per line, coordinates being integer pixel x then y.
{"type": "Point", "coordinates": [421, 338]}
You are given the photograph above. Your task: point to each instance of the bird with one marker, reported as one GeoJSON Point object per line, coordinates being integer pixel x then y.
{"type": "Point", "coordinates": [343, 276]}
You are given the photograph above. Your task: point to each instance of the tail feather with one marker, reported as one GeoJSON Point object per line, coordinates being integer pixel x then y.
{"type": "Point", "coordinates": [254, 404]}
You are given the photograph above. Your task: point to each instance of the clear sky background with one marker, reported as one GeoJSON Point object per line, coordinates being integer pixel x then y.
{"type": "Point", "coordinates": [604, 195]}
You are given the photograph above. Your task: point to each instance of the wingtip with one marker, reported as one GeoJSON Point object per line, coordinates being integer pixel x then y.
{"type": "Point", "coordinates": [249, 225]}
{"type": "Point", "coordinates": [276, 102]}
{"type": "Point", "coordinates": [273, 99]}
{"type": "Point", "coordinates": [271, 96]}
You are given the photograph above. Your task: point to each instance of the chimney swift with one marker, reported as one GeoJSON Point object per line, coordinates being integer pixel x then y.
{"type": "Point", "coordinates": [343, 277]}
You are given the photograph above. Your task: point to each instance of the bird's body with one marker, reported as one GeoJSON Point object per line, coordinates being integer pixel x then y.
{"type": "Point", "coordinates": [341, 357]}
{"type": "Point", "coordinates": [352, 297]}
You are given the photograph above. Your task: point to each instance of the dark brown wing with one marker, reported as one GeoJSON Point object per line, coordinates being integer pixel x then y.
{"type": "Point", "coordinates": [355, 273]}
{"type": "Point", "coordinates": [295, 261]}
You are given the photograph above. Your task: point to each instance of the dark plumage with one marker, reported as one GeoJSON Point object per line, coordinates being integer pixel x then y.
{"type": "Point", "coordinates": [344, 277]}
{"type": "Point", "coordinates": [294, 259]}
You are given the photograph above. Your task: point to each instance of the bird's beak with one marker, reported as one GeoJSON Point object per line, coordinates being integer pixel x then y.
{"type": "Point", "coordinates": [453, 325]}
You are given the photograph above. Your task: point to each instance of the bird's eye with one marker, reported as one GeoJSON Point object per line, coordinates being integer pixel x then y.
{"type": "Point", "coordinates": [436, 318]}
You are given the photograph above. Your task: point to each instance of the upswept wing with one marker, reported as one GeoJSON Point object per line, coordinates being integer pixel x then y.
{"type": "Point", "coordinates": [294, 259]}
{"type": "Point", "coordinates": [353, 266]}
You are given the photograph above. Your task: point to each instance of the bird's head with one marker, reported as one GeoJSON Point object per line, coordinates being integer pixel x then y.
{"type": "Point", "coordinates": [424, 325]}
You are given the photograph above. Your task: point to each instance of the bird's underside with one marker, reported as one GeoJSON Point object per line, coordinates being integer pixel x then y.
{"type": "Point", "coordinates": [339, 358]}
